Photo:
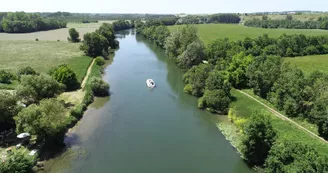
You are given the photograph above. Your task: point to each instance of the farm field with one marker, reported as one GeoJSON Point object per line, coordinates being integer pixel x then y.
{"type": "Point", "coordinates": [42, 56]}
{"type": "Point", "coordinates": [245, 106]}
{"type": "Point", "coordinates": [310, 63]}
{"type": "Point", "coordinates": [303, 17]}
{"type": "Point", "coordinates": [210, 32]}
{"type": "Point", "coordinates": [54, 35]}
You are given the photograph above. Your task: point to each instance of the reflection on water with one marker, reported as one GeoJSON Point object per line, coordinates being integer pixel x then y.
{"type": "Point", "coordinates": [142, 130]}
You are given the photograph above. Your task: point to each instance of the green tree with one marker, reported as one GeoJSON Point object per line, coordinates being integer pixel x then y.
{"type": "Point", "coordinates": [100, 61]}
{"type": "Point", "coordinates": [263, 72]}
{"type": "Point", "coordinates": [258, 139]}
{"type": "Point", "coordinates": [215, 101]}
{"type": "Point", "coordinates": [237, 70]}
{"type": "Point", "coordinates": [65, 75]}
{"type": "Point", "coordinates": [99, 87]}
{"type": "Point", "coordinates": [8, 107]}
{"type": "Point", "coordinates": [196, 77]}
{"type": "Point", "coordinates": [18, 161]}
{"type": "Point", "coordinates": [288, 156]}
{"type": "Point", "coordinates": [26, 71]}
{"type": "Point", "coordinates": [93, 44]}
{"type": "Point", "coordinates": [6, 77]}
{"type": "Point", "coordinates": [47, 120]}
{"type": "Point", "coordinates": [106, 30]}
{"type": "Point", "coordinates": [193, 55]}
{"type": "Point", "coordinates": [218, 80]}
{"type": "Point", "coordinates": [34, 88]}
{"type": "Point", "coordinates": [73, 36]}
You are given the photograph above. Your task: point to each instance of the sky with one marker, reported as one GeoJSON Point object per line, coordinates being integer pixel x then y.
{"type": "Point", "coordinates": [163, 6]}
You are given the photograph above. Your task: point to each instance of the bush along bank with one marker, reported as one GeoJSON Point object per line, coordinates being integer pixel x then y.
{"type": "Point", "coordinates": [212, 71]}
{"type": "Point", "coordinates": [43, 111]}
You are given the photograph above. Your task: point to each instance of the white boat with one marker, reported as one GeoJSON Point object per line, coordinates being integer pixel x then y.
{"type": "Point", "coordinates": [150, 83]}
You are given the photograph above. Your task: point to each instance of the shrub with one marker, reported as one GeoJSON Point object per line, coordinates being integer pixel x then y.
{"type": "Point", "coordinates": [26, 71]}
{"type": "Point", "coordinates": [99, 87]}
{"type": "Point", "coordinates": [65, 75]}
{"type": "Point", "coordinates": [6, 77]}
{"type": "Point", "coordinates": [8, 106]}
{"type": "Point", "coordinates": [36, 39]}
{"type": "Point", "coordinates": [259, 137]}
{"type": "Point", "coordinates": [34, 88]}
{"type": "Point", "coordinates": [73, 36]}
{"type": "Point", "coordinates": [100, 61]}
{"type": "Point", "coordinates": [215, 101]}
{"type": "Point", "coordinates": [18, 161]}
{"type": "Point", "coordinates": [188, 89]}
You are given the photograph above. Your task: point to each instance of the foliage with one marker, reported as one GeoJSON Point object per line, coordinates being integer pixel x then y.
{"type": "Point", "coordinates": [259, 137]}
{"type": "Point", "coordinates": [215, 101]}
{"type": "Point", "coordinates": [237, 70]}
{"type": "Point", "coordinates": [73, 36]}
{"type": "Point", "coordinates": [122, 25]}
{"type": "Point", "coordinates": [263, 72]}
{"type": "Point", "coordinates": [289, 156]}
{"type": "Point", "coordinates": [193, 55]}
{"type": "Point", "coordinates": [32, 89]}
{"type": "Point", "coordinates": [6, 77]}
{"type": "Point", "coordinates": [26, 71]}
{"type": "Point", "coordinates": [196, 77]}
{"type": "Point", "coordinates": [65, 75]}
{"type": "Point", "coordinates": [46, 120]}
{"type": "Point", "coordinates": [100, 61]}
{"type": "Point", "coordinates": [106, 30]}
{"type": "Point", "coordinates": [224, 18]}
{"type": "Point", "coordinates": [99, 87]}
{"type": "Point", "coordinates": [93, 44]}
{"type": "Point", "coordinates": [8, 106]}
{"type": "Point", "coordinates": [155, 33]}
{"type": "Point", "coordinates": [218, 80]}
{"type": "Point", "coordinates": [288, 23]}
{"type": "Point", "coordinates": [18, 161]}
{"type": "Point", "coordinates": [179, 40]}
{"type": "Point", "coordinates": [20, 22]}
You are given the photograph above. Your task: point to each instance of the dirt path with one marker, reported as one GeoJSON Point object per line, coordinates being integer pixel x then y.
{"type": "Point", "coordinates": [88, 74]}
{"type": "Point", "coordinates": [75, 97]}
{"type": "Point", "coordinates": [276, 113]}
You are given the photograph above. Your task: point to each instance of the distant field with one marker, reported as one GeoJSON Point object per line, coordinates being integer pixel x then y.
{"type": "Point", "coordinates": [210, 32]}
{"type": "Point", "coordinates": [53, 35]}
{"type": "Point", "coordinates": [303, 17]}
{"type": "Point", "coordinates": [310, 63]}
{"type": "Point", "coordinates": [245, 106]}
{"type": "Point", "coordinates": [42, 56]}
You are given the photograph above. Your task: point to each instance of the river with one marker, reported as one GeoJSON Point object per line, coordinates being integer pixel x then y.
{"type": "Point", "coordinates": [142, 130]}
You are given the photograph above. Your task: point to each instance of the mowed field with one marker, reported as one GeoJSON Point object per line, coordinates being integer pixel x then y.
{"type": "Point", "coordinates": [210, 32]}
{"type": "Point", "coordinates": [310, 63]}
{"type": "Point", "coordinates": [53, 35]}
{"type": "Point", "coordinates": [42, 56]}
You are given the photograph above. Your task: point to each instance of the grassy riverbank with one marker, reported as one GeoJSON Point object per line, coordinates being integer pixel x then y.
{"type": "Point", "coordinates": [244, 107]}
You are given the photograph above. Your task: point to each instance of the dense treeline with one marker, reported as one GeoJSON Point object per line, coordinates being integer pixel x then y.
{"type": "Point", "coordinates": [20, 22]}
{"type": "Point", "coordinates": [224, 18]}
{"type": "Point", "coordinates": [258, 64]}
{"type": "Point", "coordinates": [321, 23]}
{"type": "Point", "coordinates": [122, 25]}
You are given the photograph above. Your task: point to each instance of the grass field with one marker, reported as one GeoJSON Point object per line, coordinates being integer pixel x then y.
{"type": "Point", "coordinates": [42, 56]}
{"type": "Point", "coordinates": [286, 130]}
{"type": "Point", "coordinates": [210, 32]}
{"type": "Point", "coordinates": [310, 63]}
{"type": "Point", "coordinates": [53, 35]}
{"type": "Point", "coordinates": [303, 17]}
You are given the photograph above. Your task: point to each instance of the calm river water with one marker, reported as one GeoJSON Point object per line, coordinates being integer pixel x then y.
{"type": "Point", "coordinates": [141, 130]}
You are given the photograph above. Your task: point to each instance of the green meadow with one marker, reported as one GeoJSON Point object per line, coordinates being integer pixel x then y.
{"type": "Point", "coordinates": [310, 63]}
{"type": "Point", "coordinates": [210, 32]}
